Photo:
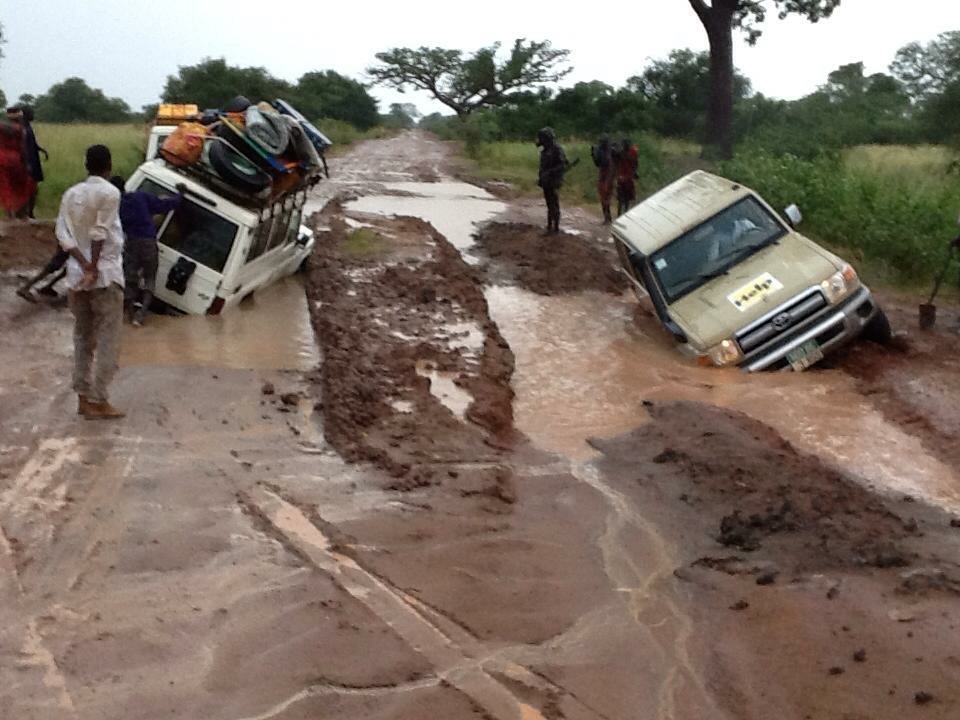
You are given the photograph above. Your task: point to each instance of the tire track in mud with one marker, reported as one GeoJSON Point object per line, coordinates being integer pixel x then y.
{"type": "Point", "coordinates": [392, 606]}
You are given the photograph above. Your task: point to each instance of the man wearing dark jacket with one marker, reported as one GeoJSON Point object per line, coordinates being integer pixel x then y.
{"type": "Point", "coordinates": [33, 151]}
{"type": "Point", "coordinates": [553, 166]}
{"type": "Point", "coordinates": [137, 210]}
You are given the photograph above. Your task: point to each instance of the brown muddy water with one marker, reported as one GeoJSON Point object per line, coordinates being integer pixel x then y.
{"type": "Point", "coordinates": [585, 366]}
{"type": "Point", "coordinates": [270, 331]}
{"type": "Point", "coordinates": [453, 208]}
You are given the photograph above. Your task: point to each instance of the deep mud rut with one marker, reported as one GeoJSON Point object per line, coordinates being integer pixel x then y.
{"type": "Point", "coordinates": [487, 487]}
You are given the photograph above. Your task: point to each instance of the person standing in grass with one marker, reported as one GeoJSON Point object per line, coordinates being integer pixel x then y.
{"type": "Point", "coordinates": [33, 151]}
{"type": "Point", "coordinates": [88, 228]}
{"type": "Point", "coordinates": [627, 164]}
{"type": "Point", "coordinates": [16, 184]}
{"type": "Point", "coordinates": [602, 154]}
{"type": "Point", "coordinates": [553, 165]}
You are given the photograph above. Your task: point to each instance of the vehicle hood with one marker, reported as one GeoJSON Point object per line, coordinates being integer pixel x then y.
{"type": "Point", "coordinates": [760, 283]}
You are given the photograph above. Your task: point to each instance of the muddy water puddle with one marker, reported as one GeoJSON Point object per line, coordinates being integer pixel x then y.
{"type": "Point", "coordinates": [584, 369]}
{"type": "Point", "coordinates": [444, 388]}
{"type": "Point", "coordinates": [453, 208]}
{"type": "Point", "coordinates": [271, 331]}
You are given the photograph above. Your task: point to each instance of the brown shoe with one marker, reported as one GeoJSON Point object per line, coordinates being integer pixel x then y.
{"type": "Point", "coordinates": [102, 411]}
{"type": "Point", "coordinates": [83, 402]}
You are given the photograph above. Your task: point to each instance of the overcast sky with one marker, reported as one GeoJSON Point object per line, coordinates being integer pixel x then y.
{"type": "Point", "coordinates": [128, 48]}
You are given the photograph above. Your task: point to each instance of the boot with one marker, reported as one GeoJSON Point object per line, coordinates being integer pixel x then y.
{"type": "Point", "coordinates": [607, 218]}
{"type": "Point", "coordinates": [102, 410]}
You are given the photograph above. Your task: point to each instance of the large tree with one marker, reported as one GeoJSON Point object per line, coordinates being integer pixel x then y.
{"type": "Point", "coordinates": [465, 83]}
{"type": "Point", "coordinates": [331, 95]}
{"type": "Point", "coordinates": [679, 90]}
{"type": "Point", "coordinates": [928, 70]}
{"type": "Point", "coordinates": [74, 101]}
{"type": "Point", "coordinates": [719, 19]}
{"type": "Point", "coordinates": [212, 83]}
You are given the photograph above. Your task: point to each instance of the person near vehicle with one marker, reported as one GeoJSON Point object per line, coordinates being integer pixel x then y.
{"type": "Point", "coordinates": [16, 184]}
{"type": "Point", "coordinates": [140, 253]}
{"type": "Point", "coordinates": [54, 270]}
{"type": "Point", "coordinates": [602, 154]}
{"type": "Point", "coordinates": [88, 229]}
{"type": "Point", "coordinates": [627, 163]}
{"type": "Point", "coordinates": [553, 165]}
{"type": "Point", "coordinates": [33, 151]}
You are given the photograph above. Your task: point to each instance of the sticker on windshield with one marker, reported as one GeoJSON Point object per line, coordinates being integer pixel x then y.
{"type": "Point", "coordinates": [754, 291]}
{"type": "Point", "coordinates": [660, 263]}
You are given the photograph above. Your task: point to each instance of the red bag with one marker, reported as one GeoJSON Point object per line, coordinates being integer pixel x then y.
{"type": "Point", "coordinates": [184, 145]}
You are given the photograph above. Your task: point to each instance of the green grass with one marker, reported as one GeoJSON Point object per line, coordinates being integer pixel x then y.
{"type": "Point", "coordinates": [516, 163]}
{"type": "Point", "coordinates": [67, 144]}
{"type": "Point", "coordinates": [891, 210]}
{"type": "Point", "coordinates": [343, 134]}
{"type": "Point", "coordinates": [362, 242]}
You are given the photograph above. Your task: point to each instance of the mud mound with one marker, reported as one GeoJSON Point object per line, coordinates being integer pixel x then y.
{"type": "Point", "coordinates": [913, 383]}
{"type": "Point", "coordinates": [26, 245]}
{"type": "Point", "coordinates": [752, 490]}
{"type": "Point", "coordinates": [551, 265]}
{"type": "Point", "coordinates": [396, 314]}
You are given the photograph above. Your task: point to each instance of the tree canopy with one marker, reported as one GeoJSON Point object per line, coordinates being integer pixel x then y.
{"type": "Point", "coordinates": [212, 83]}
{"type": "Point", "coordinates": [465, 83]}
{"type": "Point", "coordinates": [928, 70]}
{"type": "Point", "coordinates": [74, 101]}
{"type": "Point", "coordinates": [719, 19]}
{"type": "Point", "coordinates": [329, 94]}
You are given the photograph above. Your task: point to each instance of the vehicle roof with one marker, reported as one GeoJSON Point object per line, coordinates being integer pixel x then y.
{"type": "Point", "coordinates": [159, 170]}
{"type": "Point", "coordinates": [675, 209]}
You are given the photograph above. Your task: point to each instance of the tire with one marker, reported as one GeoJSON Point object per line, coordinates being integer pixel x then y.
{"type": "Point", "coordinates": [878, 329]}
{"type": "Point", "coordinates": [236, 170]}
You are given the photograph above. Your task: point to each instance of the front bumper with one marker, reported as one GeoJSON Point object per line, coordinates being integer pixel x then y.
{"type": "Point", "coordinates": [831, 328]}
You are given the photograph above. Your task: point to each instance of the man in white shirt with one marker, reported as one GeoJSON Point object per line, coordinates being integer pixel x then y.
{"type": "Point", "coordinates": [88, 228]}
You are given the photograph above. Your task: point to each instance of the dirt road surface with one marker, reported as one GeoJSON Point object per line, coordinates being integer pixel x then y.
{"type": "Point", "coordinates": [455, 472]}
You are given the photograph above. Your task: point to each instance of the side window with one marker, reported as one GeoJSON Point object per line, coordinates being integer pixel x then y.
{"type": "Point", "coordinates": [278, 232]}
{"type": "Point", "coordinates": [630, 261]}
{"type": "Point", "coordinates": [261, 239]}
{"type": "Point", "coordinates": [293, 228]}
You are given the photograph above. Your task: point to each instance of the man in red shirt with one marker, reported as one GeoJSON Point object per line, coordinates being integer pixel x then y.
{"type": "Point", "coordinates": [627, 163]}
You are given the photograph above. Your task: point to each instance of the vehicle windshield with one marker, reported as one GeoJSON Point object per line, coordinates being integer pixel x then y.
{"type": "Point", "coordinates": [713, 247]}
{"type": "Point", "coordinates": [203, 236]}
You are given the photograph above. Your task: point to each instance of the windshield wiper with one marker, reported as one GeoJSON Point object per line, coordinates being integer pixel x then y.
{"type": "Point", "coordinates": [711, 275]}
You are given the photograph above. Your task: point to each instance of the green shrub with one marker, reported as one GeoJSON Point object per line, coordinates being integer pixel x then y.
{"type": "Point", "coordinates": [896, 226]}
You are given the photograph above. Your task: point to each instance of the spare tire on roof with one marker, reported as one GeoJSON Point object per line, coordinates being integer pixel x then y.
{"type": "Point", "coordinates": [236, 170]}
{"type": "Point", "coordinates": [238, 105]}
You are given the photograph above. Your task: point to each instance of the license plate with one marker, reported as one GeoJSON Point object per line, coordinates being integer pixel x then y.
{"type": "Point", "coordinates": [800, 358]}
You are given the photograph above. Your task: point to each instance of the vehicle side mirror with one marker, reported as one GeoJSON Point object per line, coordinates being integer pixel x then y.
{"type": "Point", "coordinates": [793, 214]}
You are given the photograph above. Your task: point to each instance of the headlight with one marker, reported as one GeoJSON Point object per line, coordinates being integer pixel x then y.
{"type": "Point", "coordinates": [726, 353]}
{"type": "Point", "coordinates": [840, 284]}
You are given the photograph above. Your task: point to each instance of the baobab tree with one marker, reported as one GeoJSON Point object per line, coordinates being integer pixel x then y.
{"type": "Point", "coordinates": [720, 18]}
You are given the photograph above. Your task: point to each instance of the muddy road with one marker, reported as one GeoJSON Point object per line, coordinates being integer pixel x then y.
{"type": "Point", "coordinates": [455, 472]}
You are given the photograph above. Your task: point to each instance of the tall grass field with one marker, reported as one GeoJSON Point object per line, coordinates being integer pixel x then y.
{"type": "Point", "coordinates": [890, 209]}
{"type": "Point", "coordinates": [67, 145]}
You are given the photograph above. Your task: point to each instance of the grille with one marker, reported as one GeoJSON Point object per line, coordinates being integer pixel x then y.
{"type": "Point", "coordinates": [781, 322]}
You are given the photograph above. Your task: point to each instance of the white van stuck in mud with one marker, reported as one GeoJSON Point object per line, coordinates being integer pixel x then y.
{"type": "Point", "coordinates": [735, 284]}
{"type": "Point", "coordinates": [245, 171]}
{"type": "Point", "coordinates": [213, 252]}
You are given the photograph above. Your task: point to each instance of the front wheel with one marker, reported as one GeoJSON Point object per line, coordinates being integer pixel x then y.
{"type": "Point", "coordinates": [878, 329]}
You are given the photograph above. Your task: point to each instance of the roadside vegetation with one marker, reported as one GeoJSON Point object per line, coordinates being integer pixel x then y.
{"type": "Point", "coordinates": [67, 144]}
